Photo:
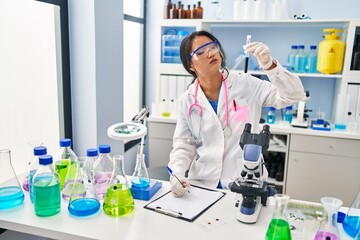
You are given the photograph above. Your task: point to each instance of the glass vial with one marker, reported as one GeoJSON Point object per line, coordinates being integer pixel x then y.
{"type": "Point", "coordinates": [328, 228]}
{"type": "Point", "coordinates": [33, 167]}
{"type": "Point", "coordinates": [271, 117]}
{"type": "Point", "coordinates": [118, 200]}
{"type": "Point", "coordinates": [351, 222]}
{"type": "Point", "coordinates": [62, 161]}
{"type": "Point", "coordinates": [279, 228]}
{"type": "Point", "coordinates": [11, 194]}
{"type": "Point", "coordinates": [140, 177]}
{"type": "Point", "coordinates": [31, 144]}
{"type": "Point", "coordinates": [46, 186]}
{"type": "Point", "coordinates": [103, 168]}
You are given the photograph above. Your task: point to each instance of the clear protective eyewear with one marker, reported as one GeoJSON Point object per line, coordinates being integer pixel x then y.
{"type": "Point", "coordinates": [204, 50]}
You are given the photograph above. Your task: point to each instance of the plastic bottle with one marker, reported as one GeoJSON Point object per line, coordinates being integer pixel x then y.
{"type": "Point", "coordinates": [291, 57]}
{"type": "Point", "coordinates": [33, 167]}
{"type": "Point", "coordinates": [167, 7]}
{"type": "Point", "coordinates": [300, 59]}
{"type": "Point", "coordinates": [276, 9]}
{"type": "Point", "coordinates": [103, 168]}
{"type": "Point", "coordinates": [288, 114]}
{"type": "Point", "coordinates": [311, 60]}
{"type": "Point", "coordinates": [46, 186]}
{"type": "Point", "coordinates": [271, 117]}
{"type": "Point", "coordinates": [62, 163]}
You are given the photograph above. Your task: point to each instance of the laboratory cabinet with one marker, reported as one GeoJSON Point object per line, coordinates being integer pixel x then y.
{"type": "Point", "coordinates": [323, 166]}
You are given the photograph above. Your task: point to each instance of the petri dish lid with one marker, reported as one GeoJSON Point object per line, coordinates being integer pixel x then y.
{"type": "Point", "coordinates": [127, 131]}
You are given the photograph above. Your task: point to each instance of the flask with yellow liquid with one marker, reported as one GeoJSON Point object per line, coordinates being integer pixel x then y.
{"type": "Point", "coordinates": [331, 52]}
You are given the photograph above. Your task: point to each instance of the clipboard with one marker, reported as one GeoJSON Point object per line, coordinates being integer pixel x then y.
{"type": "Point", "coordinates": [189, 207]}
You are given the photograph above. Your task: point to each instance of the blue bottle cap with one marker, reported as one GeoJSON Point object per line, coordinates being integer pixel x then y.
{"type": "Point", "coordinates": [40, 151]}
{"type": "Point", "coordinates": [271, 108]}
{"type": "Point", "coordinates": [301, 47]}
{"type": "Point", "coordinates": [313, 47]}
{"type": "Point", "coordinates": [66, 142]}
{"type": "Point", "coordinates": [104, 148]}
{"type": "Point", "coordinates": [45, 159]}
{"type": "Point", "coordinates": [294, 47]}
{"type": "Point", "coordinates": [288, 108]}
{"type": "Point", "coordinates": [91, 152]}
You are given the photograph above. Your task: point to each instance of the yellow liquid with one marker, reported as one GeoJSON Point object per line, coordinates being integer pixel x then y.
{"type": "Point", "coordinates": [62, 167]}
{"type": "Point", "coordinates": [118, 200]}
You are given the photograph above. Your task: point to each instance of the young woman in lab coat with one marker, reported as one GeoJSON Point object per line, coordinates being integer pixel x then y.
{"type": "Point", "coordinates": [213, 111]}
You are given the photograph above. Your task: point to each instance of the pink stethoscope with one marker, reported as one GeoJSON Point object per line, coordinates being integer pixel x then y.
{"type": "Point", "coordinates": [227, 130]}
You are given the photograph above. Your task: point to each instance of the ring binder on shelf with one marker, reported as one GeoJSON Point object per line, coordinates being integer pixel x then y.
{"type": "Point", "coordinates": [189, 207]}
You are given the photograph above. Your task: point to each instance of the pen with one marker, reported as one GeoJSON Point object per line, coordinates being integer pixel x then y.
{"type": "Point", "coordinates": [172, 174]}
{"type": "Point", "coordinates": [234, 103]}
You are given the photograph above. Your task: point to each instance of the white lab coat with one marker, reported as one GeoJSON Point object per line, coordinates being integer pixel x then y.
{"type": "Point", "coordinates": [220, 157]}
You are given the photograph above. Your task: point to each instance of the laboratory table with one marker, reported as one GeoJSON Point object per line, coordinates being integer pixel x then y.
{"type": "Point", "coordinates": [218, 222]}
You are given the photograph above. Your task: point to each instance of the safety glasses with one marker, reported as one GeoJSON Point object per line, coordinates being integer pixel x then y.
{"type": "Point", "coordinates": [204, 50]}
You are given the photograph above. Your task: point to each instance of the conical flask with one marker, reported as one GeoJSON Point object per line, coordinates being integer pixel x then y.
{"type": "Point", "coordinates": [32, 144]}
{"type": "Point", "coordinates": [72, 184]}
{"type": "Point", "coordinates": [80, 203]}
{"type": "Point", "coordinates": [351, 222]}
{"type": "Point", "coordinates": [328, 228]}
{"type": "Point", "coordinates": [11, 194]}
{"type": "Point", "coordinates": [118, 199]}
{"type": "Point", "coordinates": [279, 228]}
{"type": "Point", "coordinates": [140, 177]}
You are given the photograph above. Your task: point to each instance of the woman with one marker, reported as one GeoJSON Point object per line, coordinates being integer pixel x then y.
{"type": "Point", "coordinates": [213, 111]}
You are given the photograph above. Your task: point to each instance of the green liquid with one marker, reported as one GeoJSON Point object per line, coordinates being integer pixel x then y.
{"type": "Point", "coordinates": [62, 167]}
{"type": "Point", "coordinates": [118, 200]}
{"type": "Point", "coordinates": [279, 229]}
{"type": "Point", "coordinates": [47, 197]}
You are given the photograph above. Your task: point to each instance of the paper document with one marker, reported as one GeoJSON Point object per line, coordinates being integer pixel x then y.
{"type": "Point", "coordinates": [188, 207]}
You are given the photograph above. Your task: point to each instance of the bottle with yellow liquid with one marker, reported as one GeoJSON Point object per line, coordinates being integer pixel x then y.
{"type": "Point", "coordinates": [331, 52]}
{"type": "Point", "coordinates": [118, 199]}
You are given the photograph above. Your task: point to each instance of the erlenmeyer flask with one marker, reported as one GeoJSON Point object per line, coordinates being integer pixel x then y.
{"type": "Point", "coordinates": [328, 228]}
{"type": "Point", "coordinates": [351, 222]}
{"type": "Point", "coordinates": [32, 145]}
{"type": "Point", "coordinates": [118, 199]}
{"type": "Point", "coordinates": [81, 204]}
{"type": "Point", "coordinates": [140, 177]}
{"type": "Point", "coordinates": [11, 194]}
{"type": "Point", "coordinates": [279, 228]}
{"type": "Point", "coordinates": [72, 185]}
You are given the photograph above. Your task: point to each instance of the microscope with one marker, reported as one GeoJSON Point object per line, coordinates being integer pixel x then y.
{"type": "Point", "coordinates": [301, 113]}
{"type": "Point", "coordinates": [251, 188]}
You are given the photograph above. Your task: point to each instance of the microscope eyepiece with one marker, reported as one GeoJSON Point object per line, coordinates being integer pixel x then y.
{"type": "Point", "coordinates": [266, 128]}
{"type": "Point", "coordinates": [247, 127]}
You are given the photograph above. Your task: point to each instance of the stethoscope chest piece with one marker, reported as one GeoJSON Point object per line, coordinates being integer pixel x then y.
{"type": "Point", "coordinates": [227, 132]}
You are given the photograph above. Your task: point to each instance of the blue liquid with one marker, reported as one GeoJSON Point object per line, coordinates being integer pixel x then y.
{"type": "Point", "coordinates": [11, 197]}
{"type": "Point", "coordinates": [351, 225]}
{"type": "Point", "coordinates": [31, 191]}
{"type": "Point", "coordinates": [300, 62]}
{"type": "Point", "coordinates": [141, 183]}
{"type": "Point", "coordinates": [311, 64]}
{"type": "Point", "coordinates": [288, 117]}
{"type": "Point", "coordinates": [270, 118]}
{"type": "Point", "coordinates": [84, 207]}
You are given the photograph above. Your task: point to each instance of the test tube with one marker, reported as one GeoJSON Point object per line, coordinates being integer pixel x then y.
{"type": "Point", "coordinates": [248, 40]}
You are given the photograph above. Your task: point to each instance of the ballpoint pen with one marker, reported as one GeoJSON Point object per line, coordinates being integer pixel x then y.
{"type": "Point", "coordinates": [172, 174]}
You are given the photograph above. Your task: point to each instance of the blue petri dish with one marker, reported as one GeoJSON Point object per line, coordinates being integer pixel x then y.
{"type": "Point", "coordinates": [11, 197]}
{"type": "Point", "coordinates": [83, 207]}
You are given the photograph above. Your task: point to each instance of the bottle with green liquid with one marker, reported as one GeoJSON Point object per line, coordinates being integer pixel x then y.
{"type": "Point", "coordinates": [118, 199]}
{"type": "Point", "coordinates": [279, 228]}
{"type": "Point", "coordinates": [64, 163]}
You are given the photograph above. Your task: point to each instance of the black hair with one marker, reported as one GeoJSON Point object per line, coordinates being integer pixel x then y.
{"type": "Point", "coordinates": [186, 46]}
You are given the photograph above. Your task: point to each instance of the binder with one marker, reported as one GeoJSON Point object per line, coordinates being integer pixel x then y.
{"type": "Point", "coordinates": [188, 207]}
{"type": "Point", "coordinates": [352, 92]}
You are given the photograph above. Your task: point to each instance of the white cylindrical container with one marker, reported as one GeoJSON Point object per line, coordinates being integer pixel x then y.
{"type": "Point", "coordinates": [239, 9]}
{"type": "Point", "coordinates": [276, 10]}
{"type": "Point", "coordinates": [260, 7]}
{"type": "Point", "coordinates": [249, 10]}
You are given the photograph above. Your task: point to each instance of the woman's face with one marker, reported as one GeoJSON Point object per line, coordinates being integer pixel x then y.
{"type": "Point", "coordinates": [208, 59]}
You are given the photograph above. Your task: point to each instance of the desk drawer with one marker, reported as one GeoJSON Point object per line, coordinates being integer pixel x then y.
{"type": "Point", "coordinates": [161, 130]}
{"type": "Point", "coordinates": [325, 145]}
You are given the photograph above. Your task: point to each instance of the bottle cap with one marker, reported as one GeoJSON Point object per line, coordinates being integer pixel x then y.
{"type": "Point", "coordinates": [104, 148]}
{"type": "Point", "coordinates": [301, 47]}
{"type": "Point", "coordinates": [288, 108]}
{"type": "Point", "coordinates": [312, 47]}
{"type": "Point", "coordinates": [40, 151]}
{"type": "Point", "coordinates": [91, 152]}
{"type": "Point", "coordinates": [45, 159]}
{"type": "Point", "coordinates": [294, 47]}
{"type": "Point", "coordinates": [66, 142]}
{"type": "Point", "coordinates": [271, 108]}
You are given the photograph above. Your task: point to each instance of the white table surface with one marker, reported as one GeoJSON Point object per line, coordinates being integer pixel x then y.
{"type": "Point", "coordinates": [141, 223]}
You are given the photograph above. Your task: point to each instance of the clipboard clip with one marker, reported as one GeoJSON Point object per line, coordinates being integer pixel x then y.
{"type": "Point", "coordinates": [168, 212]}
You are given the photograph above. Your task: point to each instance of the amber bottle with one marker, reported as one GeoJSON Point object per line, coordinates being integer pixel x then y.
{"type": "Point", "coordinates": [167, 7]}
{"type": "Point", "coordinates": [173, 12]}
{"type": "Point", "coordinates": [187, 12]}
{"type": "Point", "coordinates": [199, 11]}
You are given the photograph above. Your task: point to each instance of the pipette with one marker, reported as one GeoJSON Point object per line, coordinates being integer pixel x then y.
{"type": "Point", "coordinates": [248, 40]}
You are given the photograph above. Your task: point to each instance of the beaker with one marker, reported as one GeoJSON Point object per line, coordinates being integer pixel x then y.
{"type": "Point", "coordinates": [80, 203]}
{"type": "Point", "coordinates": [351, 222]}
{"type": "Point", "coordinates": [73, 186]}
{"type": "Point", "coordinates": [32, 144]}
{"type": "Point", "coordinates": [118, 199]}
{"type": "Point", "coordinates": [11, 194]}
{"type": "Point", "coordinates": [279, 228]}
{"type": "Point", "coordinates": [328, 228]}
{"type": "Point", "coordinates": [140, 177]}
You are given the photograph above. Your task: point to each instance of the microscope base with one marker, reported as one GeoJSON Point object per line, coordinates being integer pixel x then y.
{"type": "Point", "coordinates": [252, 218]}
{"type": "Point", "coordinates": [302, 124]}
{"type": "Point", "coordinates": [146, 193]}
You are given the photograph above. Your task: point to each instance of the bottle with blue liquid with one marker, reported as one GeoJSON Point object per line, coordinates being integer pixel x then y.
{"type": "Point", "coordinates": [33, 167]}
{"type": "Point", "coordinates": [311, 60]}
{"type": "Point", "coordinates": [271, 116]}
{"type": "Point", "coordinates": [288, 114]}
{"type": "Point", "coordinates": [351, 222]}
{"type": "Point", "coordinates": [291, 57]}
{"type": "Point", "coordinates": [300, 59]}
{"type": "Point", "coordinates": [11, 193]}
